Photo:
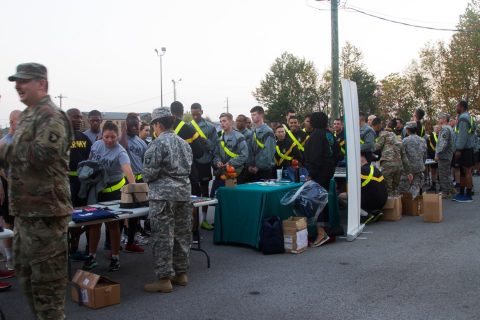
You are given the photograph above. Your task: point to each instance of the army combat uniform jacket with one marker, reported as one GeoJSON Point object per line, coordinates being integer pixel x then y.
{"type": "Point", "coordinates": [38, 159]}
{"type": "Point", "coordinates": [166, 168]}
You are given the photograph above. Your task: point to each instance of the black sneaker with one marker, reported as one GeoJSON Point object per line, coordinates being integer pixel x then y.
{"type": "Point", "coordinates": [90, 263]}
{"type": "Point", "coordinates": [114, 264]}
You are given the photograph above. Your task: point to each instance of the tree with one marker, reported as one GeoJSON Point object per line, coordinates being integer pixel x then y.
{"type": "Point", "coordinates": [395, 97]}
{"type": "Point", "coordinates": [291, 83]}
{"type": "Point", "coordinates": [366, 88]}
{"type": "Point", "coordinates": [350, 60]}
{"type": "Point", "coordinates": [463, 63]}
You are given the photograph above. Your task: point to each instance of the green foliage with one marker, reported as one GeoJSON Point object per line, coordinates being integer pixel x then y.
{"type": "Point", "coordinates": [291, 83]}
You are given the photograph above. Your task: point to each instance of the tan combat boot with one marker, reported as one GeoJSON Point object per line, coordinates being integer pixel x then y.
{"type": "Point", "coordinates": [163, 285]}
{"type": "Point", "coordinates": [180, 279]}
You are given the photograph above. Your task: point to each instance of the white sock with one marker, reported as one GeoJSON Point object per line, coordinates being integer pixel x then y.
{"type": "Point", "coordinates": [8, 253]}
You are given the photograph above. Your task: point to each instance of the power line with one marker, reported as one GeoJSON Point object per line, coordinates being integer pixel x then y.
{"type": "Point", "coordinates": [406, 23]}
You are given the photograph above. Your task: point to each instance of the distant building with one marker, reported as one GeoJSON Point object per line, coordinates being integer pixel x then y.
{"type": "Point", "coordinates": [116, 117]}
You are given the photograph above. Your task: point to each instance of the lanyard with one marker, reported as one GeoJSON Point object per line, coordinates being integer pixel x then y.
{"type": "Point", "coordinates": [290, 134]}
{"type": "Point", "coordinates": [199, 130]}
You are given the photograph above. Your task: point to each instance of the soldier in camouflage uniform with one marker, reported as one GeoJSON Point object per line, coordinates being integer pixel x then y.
{"type": "Point", "coordinates": [416, 150]}
{"type": "Point", "coordinates": [444, 153]}
{"type": "Point", "coordinates": [166, 169]}
{"type": "Point", "coordinates": [39, 192]}
{"type": "Point", "coordinates": [393, 160]}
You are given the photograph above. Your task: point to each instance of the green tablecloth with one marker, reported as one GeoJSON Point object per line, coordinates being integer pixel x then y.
{"type": "Point", "coordinates": [240, 210]}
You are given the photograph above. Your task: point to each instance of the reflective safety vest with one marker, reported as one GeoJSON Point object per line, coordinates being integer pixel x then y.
{"type": "Point", "coordinates": [435, 137]}
{"type": "Point", "coordinates": [227, 151]}
{"type": "Point", "coordinates": [199, 130]}
{"type": "Point", "coordinates": [180, 126]}
{"type": "Point", "coordinates": [294, 139]}
{"type": "Point", "coordinates": [370, 177]}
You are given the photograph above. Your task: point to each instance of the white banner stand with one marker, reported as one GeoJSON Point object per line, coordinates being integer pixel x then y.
{"type": "Point", "coordinates": [352, 137]}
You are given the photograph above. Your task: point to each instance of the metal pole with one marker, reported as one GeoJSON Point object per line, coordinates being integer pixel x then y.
{"type": "Point", "coordinates": [161, 82]}
{"type": "Point", "coordinates": [174, 90]}
{"type": "Point", "coordinates": [335, 61]}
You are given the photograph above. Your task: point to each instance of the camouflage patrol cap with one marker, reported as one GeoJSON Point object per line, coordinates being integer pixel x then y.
{"type": "Point", "coordinates": [28, 71]}
{"type": "Point", "coordinates": [411, 125]}
{"type": "Point", "coordinates": [161, 112]}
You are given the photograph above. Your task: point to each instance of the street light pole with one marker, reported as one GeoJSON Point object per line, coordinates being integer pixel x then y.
{"type": "Point", "coordinates": [175, 88]}
{"type": "Point", "coordinates": [160, 55]}
{"type": "Point", "coordinates": [335, 61]}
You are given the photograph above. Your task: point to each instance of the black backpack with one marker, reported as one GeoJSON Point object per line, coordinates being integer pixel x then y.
{"type": "Point", "coordinates": [271, 236]}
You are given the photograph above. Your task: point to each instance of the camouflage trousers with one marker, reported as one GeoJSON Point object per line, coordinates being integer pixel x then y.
{"type": "Point", "coordinates": [171, 227]}
{"type": "Point", "coordinates": [391, 174]}
{"type": "Point", "coordinates": [445, 175]}
{"type": "Point", "coordinates": [40, 256]}
{"type": "Point", "coordinates": [414, 187]}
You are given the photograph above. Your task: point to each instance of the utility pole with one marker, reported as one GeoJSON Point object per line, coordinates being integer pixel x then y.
{"type": "Point", "coordinates": [160, 55]}
{"type": "Point", "coordinates": [227, 106]}
{"type": "Point", "coordinates": [175, 88]}
{"type": "Point", "coordinates": [60, 97]}
{"type": "Point", "coordinates": [335, 61]}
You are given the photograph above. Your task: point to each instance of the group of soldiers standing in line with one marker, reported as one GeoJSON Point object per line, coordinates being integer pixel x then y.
{"type": "Point", "coordinates": [181, 161]}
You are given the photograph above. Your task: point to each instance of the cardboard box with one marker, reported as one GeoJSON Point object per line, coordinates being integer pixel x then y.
{"type": "Point", "coordinates": [410, 206]}
{"type": "Point", "coordinates": [129, 197]}
{"type": "Point", "coordinates": [295, 234]}
{"type": "Point", "coordinates": [95, 291]}
{"type": "Point", "coordinates": [137, 187]}
{"type": "Point", "coordinates": [432, 207]}
{"type": "Point", "coordinates": [231, 183]}
{"type": "Point", "coordinates": [392, 211]}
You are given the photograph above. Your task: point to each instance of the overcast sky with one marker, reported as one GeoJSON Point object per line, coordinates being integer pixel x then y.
{"type": "Point", "coordinates": [100, 54]}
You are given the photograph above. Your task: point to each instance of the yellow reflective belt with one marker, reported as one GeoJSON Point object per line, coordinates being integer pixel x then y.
{"type": "Point", "coordinates": [430, 141]}
{"type": "Point", "coordinates": [261, 145]}
{"type": "Point", "coordinates": [361, 141]}
{"type": "Point", "coordinates": [73, 173]}
{"type": "Point", "coordinates": [284, 156]}
{"type": "Point", "coordinates": [304, 130]}
{"type": "Point", "coordinates": [199, 130]}
{"type": "Point", "coordinates": [469, 130]}
{"type": "Point", "coordinates": [227, 151]}
{"type": "Point", "coordinates": [138, 176]}
{"type": "Point", "coordinates": [342, 149]}
{"type": "Point", "coordinates": [370, 177]}
{"type": "Point", "coordinates": [179, 126]}
{"type": "Point", "coordinates": [195, 136]}
{"type": "Point", "coordinates": [305, 141]}
{"type": "Point", "coordinates": [115, 187]}
{"type": "Point", "coordinates": [422, 132]}
{"type": "Point", "coordinates": [290, 134]}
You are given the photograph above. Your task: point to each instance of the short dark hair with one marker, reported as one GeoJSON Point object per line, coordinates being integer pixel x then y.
{"type": "Point", "coordinates": [392, 123]}
{"type": "Point", "coordinates": [399, 119]}
{"type": "Point", "coordinates": [420, 113]}
{"type": "Point", "coordinates": [166, 122]}
{"type": "Point", "coordinates": [376, 121]}
{"type": "Point", "coordinates": [109, 125]}
{"type": "Point", "coordinates": [292, 117]}
{"type": "Point", "coordinates": [94, 113]}
{"type": "Point", "coordinates": [143, 125]}
{"type": "Point", "coordinates": [176, 108]}
{"type": "Point", "coordinates": [319, 120]}
{"type": "Point", "coordinates": [242, 116]}
{"type": "Point", "coordinates": [278, 127]}
{"type": "Point", "coordinates": [309, 116]}
{"type": "Point", "coordinates": [196, 106]}
{"type": "Point", "coordinates": [339, 119]}
{"type": "Point", "coordinates": [226, 115]}
{"type": "Point", "coordinates": [464, 104]}
{"type": "Point", "coordinates": [132, 116]}
{"type": "Point", "coordinates": [258, 110]}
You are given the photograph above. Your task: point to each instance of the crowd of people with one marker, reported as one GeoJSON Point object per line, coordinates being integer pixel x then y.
{"type": "Point", "coordinates": [45, 150]}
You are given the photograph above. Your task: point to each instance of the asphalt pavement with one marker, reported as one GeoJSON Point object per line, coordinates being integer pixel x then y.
{"type": "Point", "coordinates": [397, 270]}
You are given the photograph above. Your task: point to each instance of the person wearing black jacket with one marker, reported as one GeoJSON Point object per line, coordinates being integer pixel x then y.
{"type": "Point", "coordinates": [321, 156]}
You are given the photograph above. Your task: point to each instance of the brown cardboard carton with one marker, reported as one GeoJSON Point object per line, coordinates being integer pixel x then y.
{"type": "Point", "coordinates": [295, 234]}
{"type": "Point", "coordinates": [410, 206]}
{"type": "Point", "coordinates": [134, 197]}
{"type": "Point", "coordinates": [392, 211]}
{"type": "Point", "coordinates": [432, 207]}
{"type": "Point", "coordinates": [137, 187]}
{"type": "Point", "coordinates": [231, 182]}
{"type": "Point", "coordinates": [95, 291]}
